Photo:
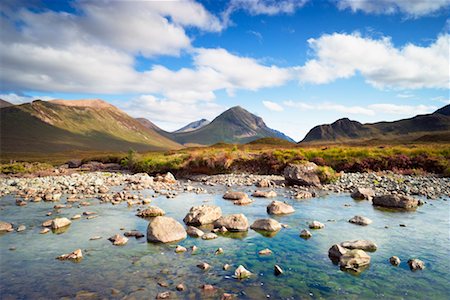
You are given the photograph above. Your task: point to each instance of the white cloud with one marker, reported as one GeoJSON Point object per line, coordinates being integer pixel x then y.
{"type": "Point", "coordinates": [378, 61]}
{"type": "Point", "coordinates": [18, 99]}
{"type": "Point", "coordinates": [407, 110]}
{"type": "Point", "coordinates": [327, 106]}
{"type": "Point", "coordinates": [405, 95]}
{"type": "Point", "coordinates": [412, 8]}
{"type": "Point", "coordinates": [273, 106]}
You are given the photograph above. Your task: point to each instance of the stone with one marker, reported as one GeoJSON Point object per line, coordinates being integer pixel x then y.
{"type": "Point", "coordinates": [5, 227]}
{"type": "Point", "coordinates": [47, 223]}
{"type": "Point", "coordinates": [180, 287]}
{"type": "Point", "coordinates": [279, 208]}
{"type": "Point", "coordinates": [266, 225]}
{"type": "Point", "coordinates": [165, 230]}
{"type": "Point", "coordinates": [97, 237]}
{"type": "Point", "coordinates": [305, 234]}
{"type": "Point", "coordinates": [264, 183]}
{"type": "Point", "coordinates": [243, 201]}
{"type": "Point", "coordinates": [316, 225]}
{"type": "Point", "coordinates": [74, 163]}
{"type": "Point", "coordinates": [303, 195]}
{"type": "Point", "coordinates": [118, 240]}
{"type": "Point", "coordinates": [60, 223]}
{"type": "Point", "coordinates": [303, 174]}
{"type": "Point", "coordinates": [134, 233]}
{"type": "Point", "coordinates": [229, 195]}
{"type": "Point", "coordinates": [360, 244]}
{"type": "Point", "coordinates": [21, 228]}
{"type": "Point", "coordinates": [180, 249]}
{"type": "Point", "coordinates": [194, 231]}
{"type": "Point", "coordinates": [395, 201]}
{"type": "Point", "coordinates": [194, 248]}
{"type": "Point", "coordinates": [76, 217]}
{"type": "Point", "coordinates": [360, 220]}
{"type": "Point", "coordinates": [235, 223]}
{"type": "Point", "coordinates": [277, 270]}
{"type": "Point", "coordinates": [89, 213]}
{"type": "Point", "coordinates": [363, 194]}
{"type": "Point", "coordinates": [265, 252]}
{"type": "Point", "coordinates": [394, 260]}
{"type": "Point", "coordinates": [242, 273]}
{"type": "Point", "coordinates": [202, 215]}
{"type": "Point", "coordinates": [203, 266]}
{"type": "Point", "coordinates": [416, 264]}
{"type": "Point", "coordinates": [227, 296]}
{"type": "Point", "coordinates": [163, 295]}
{"type": "Point", "coordinates": [219, 251]}
{"type": "Point", "coordinates": [208, 287]}
{"type": "Point", "coordinates": [209, 236]}
{"type": "Point", "coordinates": [226, 267]}
{"type": "Point", "coordinates": [75, 255]}
{"type": "Point", "coordinates": [264, 194]}
{"type": "Point", "coordinates": [355, 260]}
{"type": "Point", "coordinates": [151, 212]}
{"type": "Point", "coordinates": [335, 252]}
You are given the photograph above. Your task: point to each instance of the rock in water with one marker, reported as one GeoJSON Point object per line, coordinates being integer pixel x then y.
{"type": "Point", "coordinates": [360, 220]}
{"type": "Point", "coordinates": [304, 174]}
{"type": "Point", "coordinates": [229, 195]}
{"type": "Point", "coordinates": [204, 266]}
{"type": "Point", "coordinates": [203, 214]}
{"type": "Point", "coordinates": [394, 260]}
{"type": "Point", "coordinates": [163, 295]}
{"type": "Point", "coordinates": [335, 252]}
{"type": "Point", "coordinates": [265, 252]}
{"type": "Point", "coordinates": [264, 194]}
{"type": "Point", "coordinates": [266, 225]}
{"type": "Point", "coordinates": [305, 234]}
{"type": "Point", "coordinates": [355, 260]}
{"type": "Point", "coordinates": [303, 195]}
{"type": "Point", "coordinates": [277, 270]}
{"type": "Point", "coordinates": [180, 249]}
{"type": "Point", "coordinates": [118, 240]}
{"type": "Point", "coordinates": [236, 222]}
{"type": "Point", "coordinates": [363, 194]}
{"type": "Point", "coordinates": [279, 208]}
{"type": "Point", "coordinates": [60, 223]}
{"type": "Point", "coordinates": [264, 183]}
{"type": "Point", "coordinates": [360, 244]}
{"type": "Point", "coordinates": [21, 228]}
{"type": "Point", "coordinates": [316, 225]}
{"type": "Point", "coordinates": [416, 264]}
{"type": "Point", "coordinates": [165, 230]}
{"type": "Point", "coordinates": [209, 236]}
{"type": "Point", "coordinates": [150, 212]}
{"type": "Point", "coordinates": [194, 232]}
{"type": "Point", "coordinates": [5, 227]}
{"type": "Point", "coordinates": [396, 201]}
{"type": "Point", "coordinates": [135, 233]}
{"type": "Point", "coordinates": [75, 255]}
{"type": "Point", "coordinates": [242, 273]}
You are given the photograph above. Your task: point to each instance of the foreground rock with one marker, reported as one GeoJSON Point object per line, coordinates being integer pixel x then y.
{"type": "Point", "coordinates": [165, 230]}
{"type": "Point", "coordinates": [242, 273]}
{"type": "Point", "coordinates": [150, 212]}
{"type": "Point", "coordinates": [203, 214]}
{"type": "Point", "coordinates": [5, 227]}
{"type": "Point", "coordinates": [266, 225]}
{"type": "Point", "coordinates": [360, 220]}
{"type": "Point", "coordinates": [75, 255]}
{"type": "Point", "coordinates": [236, 222]}
{"type": "Point", "coordinates": [304, 174]}
{"type": "Point", "coordinates": [360, 244]}
{"type": "Point", "coordinates": [416, 264]}
{"type": "Point", "coordinates": [60, 223]}
{"type": "Point", "coordinates": [279, 208]}
{"type": "Point", "coordinates": [354, 260]}
{"type": "Point", "coordinates": [363, 194]}
{"type": "Point", "coordinates": [396, 201]}
{"type": "Point", "coordinates": [194, 232]}
{"type": "Point", "coordinates": [264, 194]}
{"type": "Point", "coordinates": [118, 240]}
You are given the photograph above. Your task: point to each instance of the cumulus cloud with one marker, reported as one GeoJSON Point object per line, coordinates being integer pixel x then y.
{"type": "Point", "coordinates": [19, 99]}
{"type": "Point", "coordinates": [412, 8]}
{"type": "Point", "coordinates": [273, 106]}
{"type": "Point", "coordinates": [327, 106]}
{"type": "Point", "coordinates": [378, 61]}
{"type": "Point", "coordinates": [405, 110]}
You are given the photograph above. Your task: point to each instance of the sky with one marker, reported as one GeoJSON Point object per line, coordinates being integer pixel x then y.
{"type": "Point", "coordinates": [295, 63]}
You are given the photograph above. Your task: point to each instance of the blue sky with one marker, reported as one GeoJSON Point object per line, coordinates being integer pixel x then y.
{"type": "Point", "coordinates": [296, 64]}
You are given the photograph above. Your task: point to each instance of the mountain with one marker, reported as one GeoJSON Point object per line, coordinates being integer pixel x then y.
{"type": "Point", "coordinates": [433, 127]}
{"type": "Point", "coordinates": [4, 103]}
{"type": "Point", "coordinates": [63, 125]}
{"type": "Point", "coordinates": [193, 126]}
{"type": "Point", "coordinates": [236, 125]}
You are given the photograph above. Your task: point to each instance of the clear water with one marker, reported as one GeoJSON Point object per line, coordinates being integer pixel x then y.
{"type": "Point", "coordinates": [32, 272]}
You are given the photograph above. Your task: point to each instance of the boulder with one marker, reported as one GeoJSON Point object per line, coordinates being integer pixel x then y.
{"type": "Point", "coordinates": [304, 174]}
{"type": "Point", "coordinates": [242, 273]}
{"type": "Point", "coordinates": [266, 225]}
{"type": "Point", "coordinates": [60, 223]}
{"type": "Point", "coordinates": [180, 249]}
{"type": "Point", "coordinates": [229, 195]}
{"type": "Point", "coordinates": [335, 252]}
{"type": "Point", "coordinates": [279, 208]}
{"type": "Point", "coordinates": [5, 227]}
{"type": "Point", "coordinates": [264, 183]}
{"type": "Point", "coordinates": [363, 194]}
{"type": "Point", "coordinates": [203, 214]}
{"type": "Point", "coordinates": [395, 201]}
{"type": "Point", "coordinates": [416, 264]}
{"type": "Point", "coordinates": [360, 220]}
{"type": "Point", "coordinates": [209, 236]}
{"type": "Point", "coordinates": [303, 195]}
{"type": "Point", "coordinates": [118, 240]}
{"type": "Point", "coordinates": [236, 222]}
{"type": "Point", "coordinates": [194, 231]}
{"type": "Point", "coordinates": [394, 260]}
{"type": "Point", "coordinates": [165, 230]}
{"type": "Point", "coordinates": [305, 234]}
{"type": "Point", "coordinates": [150, 212]}
{"type": "Point", "coordinates": [75, 255]}
{"type": "Point", "coordinates": [243, 201]}
{"type": "Point", "coordinates": [264, 194]}
{"type": "Point", "coordinates": [316, 225]}
{"type": "Point", "coordinates": [21, 228]}
{"type": "Point", "coordinates": [355, 260]}
{"type": "Point", "coordinates": [360, 244]}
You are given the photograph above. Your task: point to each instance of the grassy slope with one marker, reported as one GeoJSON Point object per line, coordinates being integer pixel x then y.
{"type": "Point", "coordinates": [47, 127]}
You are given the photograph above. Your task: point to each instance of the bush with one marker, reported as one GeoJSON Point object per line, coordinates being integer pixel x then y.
{"type": "Point", "coordinates": [327, 174]}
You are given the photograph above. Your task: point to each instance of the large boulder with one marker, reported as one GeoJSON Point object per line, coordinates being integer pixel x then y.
{"type": "Point", "coordinates": [360, 220]}
{"type": "Point", "coordinates": [5, 227]}
{"type": "Point", "coordinates": [150, 212]}
{"type": "Point", "coordinates": [360, 244]}
{"type": "Point", "coordinates": [266, 225]}
{"type": "Point", "coordinates": [230, 195]}
{"type": "Point", "coordinates": [302, 174]}
{"type": "Point", "coordinates": [335, 252]}
{"type": "Point", "coordinates": [363, 194]}
{"type": "Point", "coordinates": [60, 223]}
{"type": "Point", "coordinates": [395, 201]}
{"type": "Point", "coordinates": [279, 208]}
{"type": "Point", "coordinates": [165, 230]}
{"type": "Point", "coordinates": [236, 222]}
{"type": "Point", "coordinates": [203, 214]}
{"type": "Point", "coordinates": [194, 231]}
{"type": "Point", "coordinates": [264, 194]}
{"type": "Point", "coordinates": [355, 260]}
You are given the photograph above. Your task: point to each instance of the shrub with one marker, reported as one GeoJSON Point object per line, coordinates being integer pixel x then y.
{"type": "Point", "coordinates": [327, 174]}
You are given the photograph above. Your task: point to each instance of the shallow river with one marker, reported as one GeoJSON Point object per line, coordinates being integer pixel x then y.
{"type": "Point", "coordinates": [134, 270]}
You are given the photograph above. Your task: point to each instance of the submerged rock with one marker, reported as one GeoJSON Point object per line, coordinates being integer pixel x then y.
{"type": "Point", "coordinates": [219, 251]}
{"type": "Point", "coordinates": [363, 194]}
{"type": "Point", "coordinates": [304, 174]}
{"type": "Point", "coordinates": [305, 234]}
{"type": "Point", "coordinates": [135, 233]}
{"type": "Point", "coordinates": [5, 227]}
{"type": "Point", "coordinates": [394, 260]}
{"type": "Point", "coordinates": [316, 225]}
{"type": "Point", "coordinates": [303, 195]}
{"type": "Point", "coordinates": [118, 240]}
{"type": "Point", "coordinates": [356, 260]}
{"type": "Point", "coordinates": [335, 252]}
{"type": "Point", "coordinates": [242, 273]}
{"type": "Point", "coordinates": [60, 223]}
{"type": "Point", "coordinates": [243, 201]}
{"type": "Point", "coordinates": [150, 212]}
{"type": "Point", "coordinates": [279, 208]}
{"type": "Point", "coordinates": [416, 264]}
{"type": "Point", "coordinates": [266, 225]}
{"type": "Point", "coordinates": [75, 255]}
{"type": "Point", "coordinates": [236, 222]}
{"type": "Point", "coordinates": [209, 236]}
{"type": "Point", "coordinates": [264, 194]}
{"type": "Point", "coordinates": [203, 266]}
{"type": "Point", "coordinates": [180, 249]}
{"type": "Point", "coordinates": [194, 231]}
{"type": "Point", "coordinates": [21, 228]}
{"type": "Point", "coordinates": [360, 220]}
{"type": "Point", "coordinates": [395, 201]}
{"type": "Point", "coordinates": [265, 252]}
{"type": "Point", "coordinates": [360, 244]}
{"type": "Point", "coordinates": [165, 230]}
{"type": "Point", "coordinates": [230, 195]}
{"type": "Point", "coordinates": [203, 214]}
